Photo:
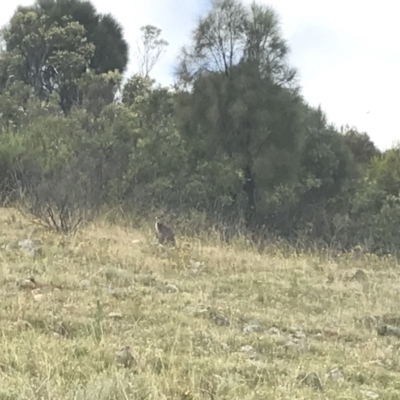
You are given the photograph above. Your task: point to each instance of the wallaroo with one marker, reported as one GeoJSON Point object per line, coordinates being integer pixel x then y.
{"type": "Point", "coordinates": [164, 234]}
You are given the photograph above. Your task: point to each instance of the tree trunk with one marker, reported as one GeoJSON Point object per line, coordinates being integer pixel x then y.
{"type": "Point", "coordinates": [249, 189]}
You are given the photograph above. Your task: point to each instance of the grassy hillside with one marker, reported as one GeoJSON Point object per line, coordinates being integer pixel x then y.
{"type": "Point", "coordinates": [204, 321]}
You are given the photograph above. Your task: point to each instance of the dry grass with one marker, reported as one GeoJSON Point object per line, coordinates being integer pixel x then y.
{"type": "Point", "coordinates": [61, 344]}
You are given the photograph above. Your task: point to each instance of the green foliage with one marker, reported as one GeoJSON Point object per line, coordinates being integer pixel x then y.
{"type": "Point", "coordinates": [375, 205]}
{"type": "Point", "coordinates": [242, 98]}
{"type": "Point", "coordinates": [95, 91]}
{"type": "Point", "coordinates": [232, 145]}
{"type": "Point", "coordinates": [51, 45]}
{"type": "Point", "coordinates": [150, 49]}
{"type": "Point", "coordinates": [48, 57]}
{"type": "Point", "coordinates": [361, 146]}
{"type": "Point", "coordinates": [385, 171]}
{"type": "Point", "coordinates": [103, 31]}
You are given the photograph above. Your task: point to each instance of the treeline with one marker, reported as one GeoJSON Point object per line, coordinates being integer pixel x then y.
{"type": "Point", "coordinates": [232, 145]}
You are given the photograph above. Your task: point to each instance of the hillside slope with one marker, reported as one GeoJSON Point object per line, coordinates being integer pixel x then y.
{"type": "Point", "coordinates": [204, 321]}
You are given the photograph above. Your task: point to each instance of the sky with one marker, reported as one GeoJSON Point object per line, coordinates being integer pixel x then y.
{"type": "Point", "coordinates": [346, 52]}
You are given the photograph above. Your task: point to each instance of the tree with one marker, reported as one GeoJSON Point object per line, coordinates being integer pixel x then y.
{"type": "Point", "coordinates": [47, 57]}
{"type": "Point", "coordinates": [95, 91]}
{"type": "Point", "coordinates": [159, 155]}
{"type": "Point", "coordinates": [326, 177]}
{"type": "Point", "coordinates": [47, 48]}
{"type": "Point", "coordinates": [328, 174]}
{"type": "Point", "coordinates": [150, 49]}
{"type": "Point", "coordinates": [361, 145]}
{"type": "Point", "coordinates": [230, 34]}
{"type": "Point", "coordinates": [385, 171]}
{"type": "Point", "coordinates": [239, 93]}
{"type": "Point", "coordinates": [106, 34]}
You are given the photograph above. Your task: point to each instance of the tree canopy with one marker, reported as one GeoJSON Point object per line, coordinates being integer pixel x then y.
{"type": "Point", "coordinates": [242, 94]}
{"type": "Point", "coordinates": [49, 45]}
{"type": "Point", "coordinates": [233, 145]}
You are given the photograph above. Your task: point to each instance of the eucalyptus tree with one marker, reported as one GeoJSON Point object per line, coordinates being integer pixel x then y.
{"type": "Point", "coordinates": [50, 45]}
{"type": "Point", "coordinates": [239, 95]}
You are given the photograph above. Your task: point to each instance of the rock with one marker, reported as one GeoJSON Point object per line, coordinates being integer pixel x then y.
{"type": "Point", "coordinates": [225, 346]}
{"type": "Point", "coordinates": [251, 328]}
{"type": "Point", "coordinates": [274, 331]}
{"type": "Point", "coordinates": [297, 332]}
{"type": "Point", "coordinates": [377, 363]}
{"type": "Point", "coordinates": [32, 284]}
{"type": "Point", "coordinates": [359, 276]}
{"type": "Point", "coordinates": [113, 292]}
{"type": "Point", "coordinates": [10, 245]}
{"type": "Point", "coordinates": [29, 243]}
{"type": "Point", "coordinates": [38, 296]}
{"type": "Point", "coordinates": [298, 335]}
{"type": "Point", "coordinates": [296, 345]}
{"type": "Point", "coordinates": [170, 288]}
{"type": "Point", "coordinates": [198, 310]}
{"type": "Point", "coordinates": [311, 379]}
{"type": "Point", "coordinates": [371, 322]}
{"type": "Point", "coordinates": [28, 283]}
{"type": "Point", "coordinates": [115, 315]}
{"type": "Point", "coordinates": [127, 357]}
{"type": "Point", "coordinates": [388, 330]}
{"type": "Point", "coordinates": [195, 264]}
{"type": "Point", "coordinates": [295, 328]}
{"type": "Point", "coordinates": [330, 279]}
{"type": "Point", "coordinates": [249, 351]}
{"type": "Point", "coordinates": [30, 246]}
{"type": "Point", "coordinates": [290, 345]}
{"type": "Point", "coordinates": [221, 320]}
{"type": "Point", "coordinates": [368, 394]}
{"type": "Point", "coordinates": [335, 374]}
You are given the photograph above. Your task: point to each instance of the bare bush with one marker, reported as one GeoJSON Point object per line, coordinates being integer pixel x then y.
{"type": "Point", "coordinates": [63, 199]}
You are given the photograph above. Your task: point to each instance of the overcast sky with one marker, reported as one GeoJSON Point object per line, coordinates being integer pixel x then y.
{"type": "Point", "coordinates": [347, 52]}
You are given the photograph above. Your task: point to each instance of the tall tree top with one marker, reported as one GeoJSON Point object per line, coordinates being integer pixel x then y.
{"type": "Point", "coordinates": [232, 33]}
{"type": "Point", "coordinates": [106, 34]}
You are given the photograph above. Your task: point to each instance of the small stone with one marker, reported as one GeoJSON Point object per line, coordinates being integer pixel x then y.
{"type": "Point", "coordinates": [250, 352]}
{"type": "Point", "coordinates": [85, 282]}
{"type": "Point", "coordinates": [170, 288]}
{"type": "Point", "coordinates": [299, 335]}
{"type": "Point", "coordinates": [61, 330]}
{"type": "Point", "coordinates": [368, 394]}
{"type": "Point", "coordinates": [251, 328]}
{"type": "Point", "coordinates": [115, 315]}
{"type": "Point", "coordinates": [290, 345]}
{"type": "Point", "coordinates": [221, 320]}
{"type": "Point", "coordinates": [336, 375]}
{"type": "Point", "coordinates": [195, 264]}
{"type": "Point", "coordinates": [330, 279]}
{"type": "Point", "coordinates": [274, 331]}
{"type": "Point", "coordinates": [11, 245]}
{"type": "Point", "coordinates": [111, 291]}
{"type": "Point", "coordinates": [126, 356]}
{"type": "Point", "coordinates": [225, 347]}
{"type": "Point", "coordinates": [38, 297]}
{"type": "Point", "coordinates": [359, 276]}
{"type": "Point", "coordinates": [295, 328]}
{"type": "Point", "coordinates": [311, 379]}
{"type": "Point", "coordinates": [371, 322]}
{"type": "Point", "coordinates": [388, 330]}
{"type": "Point", "coordinates": [377, 363]}
{"type": "Point", "coordinates": [296, 345]}
{"type": "Point", "coordinates": [29, 283]}
{"type": "Point", "coordinates": [30, 246]}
